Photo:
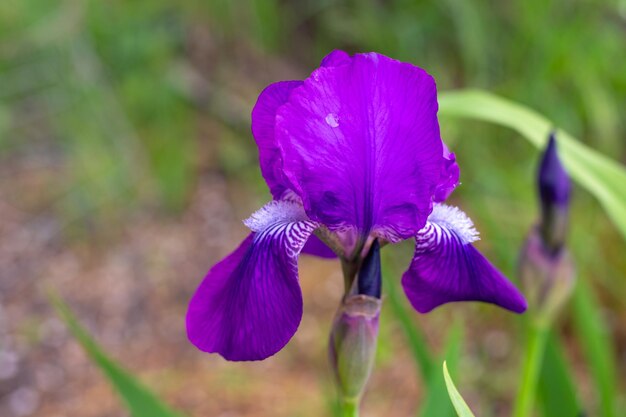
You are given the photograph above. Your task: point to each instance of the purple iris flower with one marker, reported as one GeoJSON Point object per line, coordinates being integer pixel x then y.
{"type": "Point", "coordinates": [351, 154]}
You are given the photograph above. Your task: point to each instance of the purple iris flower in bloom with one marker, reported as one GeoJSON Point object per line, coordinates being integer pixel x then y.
{"type": "Point", "coordinates": [351, 154]}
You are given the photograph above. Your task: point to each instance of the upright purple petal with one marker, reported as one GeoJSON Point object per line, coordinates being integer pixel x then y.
{"type": "Point", "coordinates": [250, 304]}
{"type": "Point", "coordinates": [361, 146]}
{"type": "Point", "coordinates": [446, 267]}
{"type": "Point", "coordinates": [335, 58]}
{"type": "Point", "coordinates": [263, 122]}
{"type": "Point", "coordinates": [449, 178]}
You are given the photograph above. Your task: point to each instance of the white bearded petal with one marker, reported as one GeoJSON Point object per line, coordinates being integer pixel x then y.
{"type": "Point", "coordinates": [451, 219]}
{"type": "Point", "coordinates": [278, 211]}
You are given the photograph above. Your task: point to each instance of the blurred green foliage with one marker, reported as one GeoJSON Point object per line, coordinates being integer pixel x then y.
{"type": "Point", "coordinates": [90, 79]}
{"type": "Point", "coordinates": [557, 390]}
{"type": "Point", "coordinates": [139, 400]}
{"type": "Point", "coordinates": [105, 77]}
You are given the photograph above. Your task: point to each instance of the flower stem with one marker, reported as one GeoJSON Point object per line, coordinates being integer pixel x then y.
{"type": "Point", "coordinates": [350, 269]}
{"type": "Point", "coordinates": [535, 346]}
{"type": "Point", "coordinates": [350, 407]}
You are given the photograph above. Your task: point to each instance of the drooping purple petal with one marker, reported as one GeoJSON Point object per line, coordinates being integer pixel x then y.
{"type": "Point", "coordinates": [250, 304]}
{"type": "Point", "coordinates": [446, 267]}
{"type": "Point", "coordinates": [361, 146]}
{"type": "Point", "coordinates": [314, 246]}
{"type": "Point", "coordinates": [263, 122]}
{"type": "Point", "coordinates": [449, 178]}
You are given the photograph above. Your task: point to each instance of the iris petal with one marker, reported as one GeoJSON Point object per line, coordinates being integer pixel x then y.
{"type": "Point", "coordinates": [314, 246]}
{"type": "Point", "coordinates": [335, 58]}
{"type": "Point", "coordinates": [361, 146]}
{"type": "Point", "coordinates": [250, 304]}
{"type": "Point", "coordinates": [446, 267]}
{"type": "Point", "coordinates": [263, 121]}
{"type": "Point", "coordinates": [449, 176]}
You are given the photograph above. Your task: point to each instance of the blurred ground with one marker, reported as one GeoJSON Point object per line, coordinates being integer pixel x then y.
{"type": "Point", "coordinates": [126, 166]}
{"type": "Point", "coordinates": [132, 295]}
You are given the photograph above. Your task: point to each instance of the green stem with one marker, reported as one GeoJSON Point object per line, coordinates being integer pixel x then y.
{"type": "Point", "coordinates": [417, 343]}
{"type": "Point", "coordinates": [535, 346]}
{"type": "Point", "coordinates": [350, 269]}
{"type": "Point", "coordinates": [350, 407]}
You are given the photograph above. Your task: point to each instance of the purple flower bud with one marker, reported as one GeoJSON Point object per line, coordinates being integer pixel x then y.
{"type": "Point", "coordinates": [555, 190]}
{"type": "Point", "coordinates": [353, 344]}
{"type": "Point", "coordinates": [354, 334]}
{"type": "Point", "coordinates": [548, 278]}
{"type": "Point", "coordinates": [546, 268]}
{"type": "Point", "coordinates": [370, 280]}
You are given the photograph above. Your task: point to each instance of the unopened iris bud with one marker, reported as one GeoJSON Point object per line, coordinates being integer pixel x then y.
{"type": "Point", "coordinates": [370, 281]}
{"type": "Point", "coordinates": [546, 267]}
{"type": "Point", "coordinates": [354, 334]}
{"type": "Point", "coordinates": [554, 190]}
{"type": "Point", "coordinates": [353, 344]}
{"type": "Point", "coordinates": [547, 277]}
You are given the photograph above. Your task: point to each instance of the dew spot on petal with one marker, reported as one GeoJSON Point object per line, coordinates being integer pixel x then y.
{"type": "Point", "coordinates": [332, 120]}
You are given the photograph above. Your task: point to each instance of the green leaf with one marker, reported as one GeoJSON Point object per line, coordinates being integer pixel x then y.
{"type": "Point", "coordinates": [417, 343]}
{"type": "Point", "coordinates": [557, 392]}
{"type": "Point", "coordinates": [529, 377]}
{"type": "Point", "coordinates": [460, 406]}
{"type": "Point", "coordinates": [140, 401]}
{"type": "Point", "coordinates": [593, 335]}
{"type": "Point", "coordinates": [601, 176]}
{"type": "Point", "coordinates": [436, 404]}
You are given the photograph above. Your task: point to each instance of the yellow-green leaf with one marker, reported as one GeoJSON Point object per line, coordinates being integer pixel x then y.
{"type": "Point", "coordinates": [460, 406]}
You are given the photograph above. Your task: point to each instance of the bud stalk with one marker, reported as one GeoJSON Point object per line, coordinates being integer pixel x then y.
{"type": "Point", "coordinates": [354, 334]}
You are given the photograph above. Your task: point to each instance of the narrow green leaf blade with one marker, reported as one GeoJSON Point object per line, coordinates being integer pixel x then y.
{"type": "Point", "coordinates": [601, 176]}
{"type": "Point", "coordinates": [421, 354]}
{"type": "Point", "coordinates": [557, 392]}
{"type": "Point", "coordinates": [436, 403]}
{"type": "Point", "coordinates": [593, 335]}
{"type": "Point", "coordinates": [140, 401]}
{"type": "Point", "coordinates": [460, 406]}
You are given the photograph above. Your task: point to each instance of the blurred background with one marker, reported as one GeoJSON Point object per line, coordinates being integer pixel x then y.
{"type": "Point", "coordinates": [127, 165]}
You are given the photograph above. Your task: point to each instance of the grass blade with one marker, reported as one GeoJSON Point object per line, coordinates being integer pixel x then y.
{"type": "Point", "coordinates": [421, 354]}
{"type": "Point", "coordinates": [594, 336]}
{"type": "Point", "coordinates": [140, 401]}
{"type": "Point", "coordinates": [556, 391]}
{"type": "Point", "coordinates": [462, 410]}
{"type": "Point", "coordinates": [436, 403]}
